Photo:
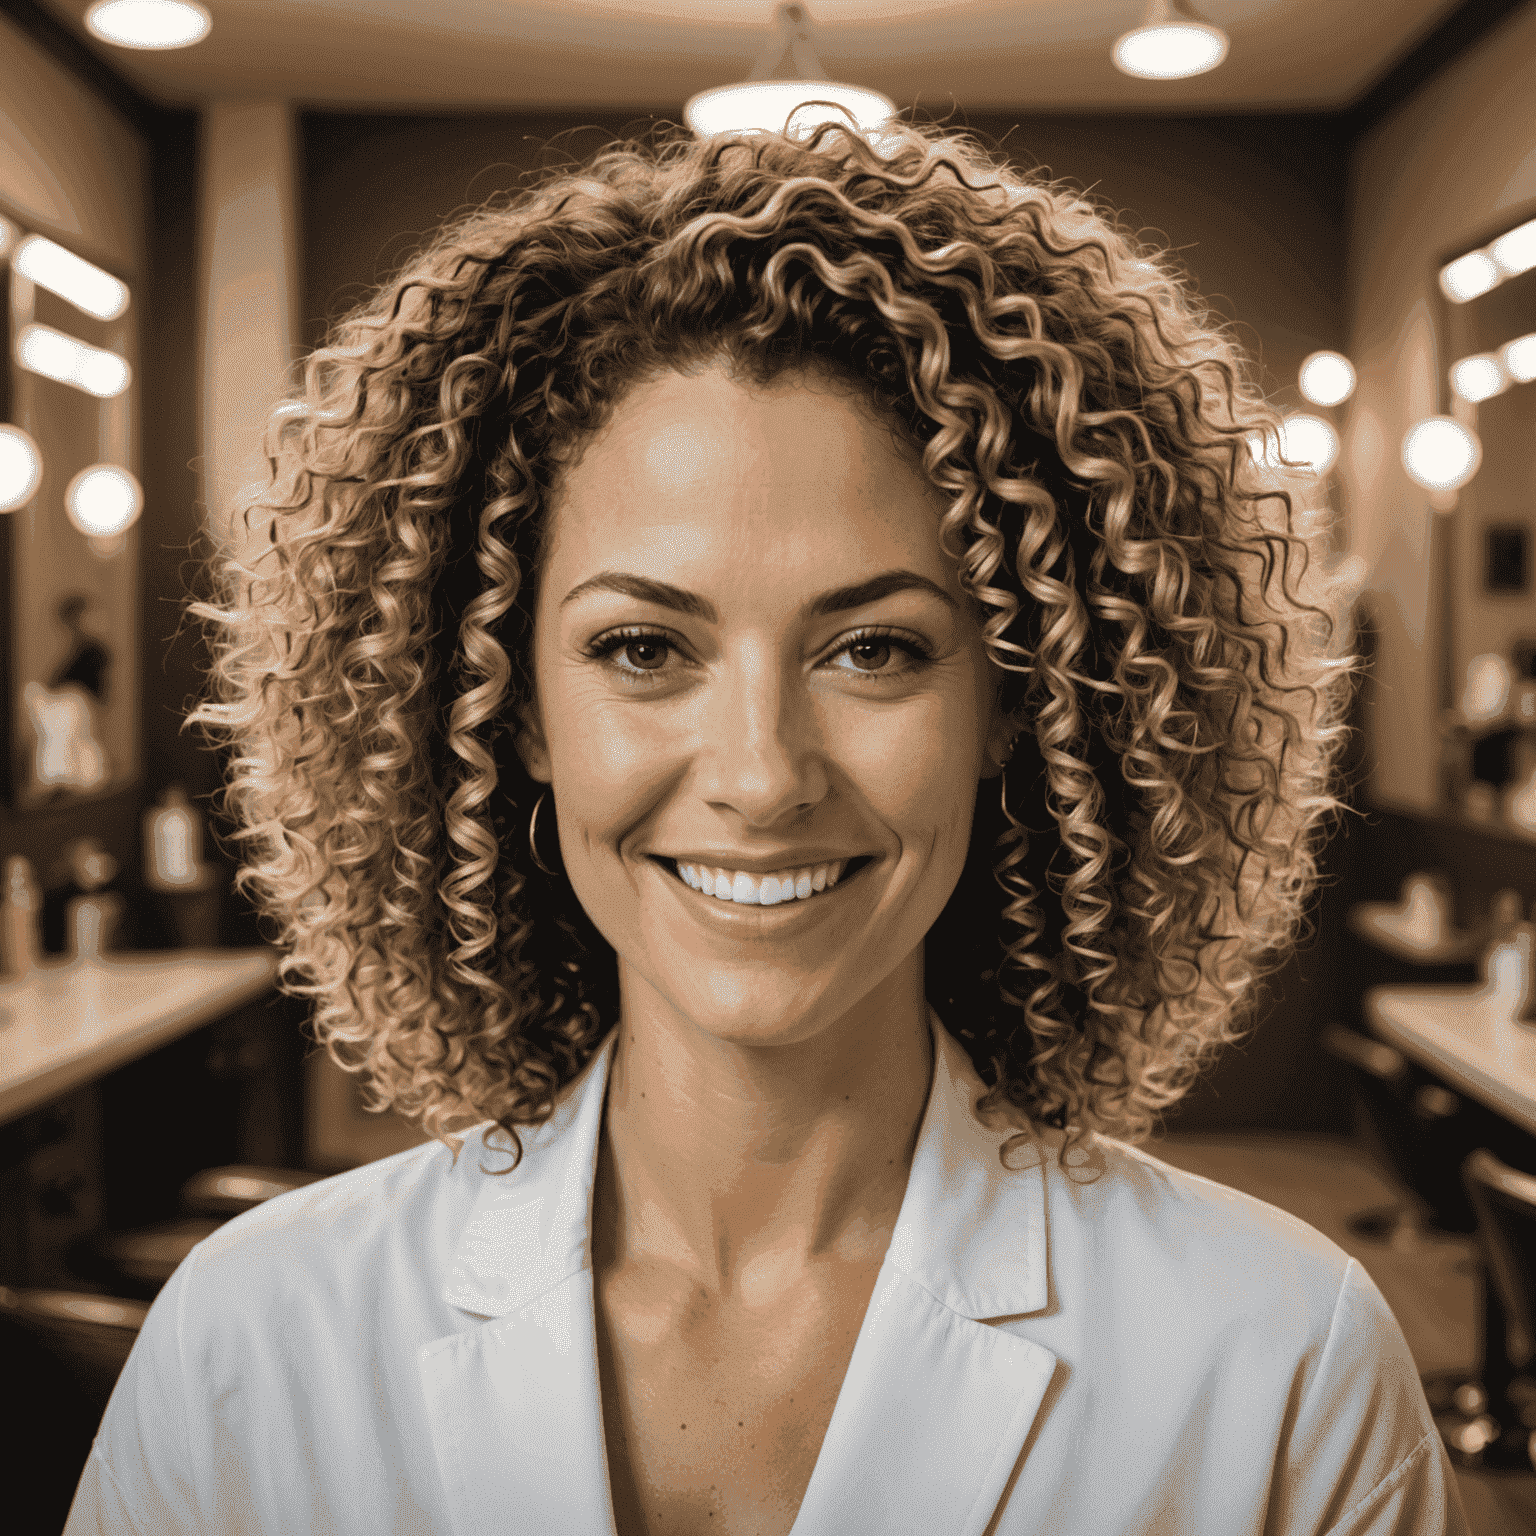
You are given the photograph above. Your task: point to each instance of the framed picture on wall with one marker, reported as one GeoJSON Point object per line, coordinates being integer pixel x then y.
{"type": "Point", "coordinates": [1506, 565]}
{"type": "Point", "coordinates": [69, 555]}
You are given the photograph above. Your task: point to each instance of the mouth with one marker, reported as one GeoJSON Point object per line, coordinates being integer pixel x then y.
{"type": "Point", "coordinates": [851, 871]}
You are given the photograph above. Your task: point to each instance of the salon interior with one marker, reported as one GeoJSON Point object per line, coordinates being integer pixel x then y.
{"type": "Point", "coordinates": [189, 191]}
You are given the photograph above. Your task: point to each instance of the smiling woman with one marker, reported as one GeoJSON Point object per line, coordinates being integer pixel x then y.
{"type": "Point", "coordinates": [789, 524]}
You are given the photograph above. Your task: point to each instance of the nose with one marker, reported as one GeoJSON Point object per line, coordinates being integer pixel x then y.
{"type": "Point", "coordinates": [766, 758]}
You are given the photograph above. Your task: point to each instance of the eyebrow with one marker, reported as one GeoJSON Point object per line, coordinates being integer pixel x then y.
{"type": "Point", "coordinates": [647, 589]}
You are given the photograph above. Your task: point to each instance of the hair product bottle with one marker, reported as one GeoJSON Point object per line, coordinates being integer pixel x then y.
{"type": "Point", "coordinates": [1504, 916]}
{"type": "Point", "coordinates": [173, 844]}
{"type": "Point", "coordinates": [21, 910]}
{"type": "Point", "coordinates": [91, 919]}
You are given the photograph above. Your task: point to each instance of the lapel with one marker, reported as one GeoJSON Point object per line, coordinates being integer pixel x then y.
{"type": "Point", "coordinates": [934, 1409]}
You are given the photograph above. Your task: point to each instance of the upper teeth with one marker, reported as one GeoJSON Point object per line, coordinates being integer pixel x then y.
{"type": "Point", "coordinates": [767, 890]}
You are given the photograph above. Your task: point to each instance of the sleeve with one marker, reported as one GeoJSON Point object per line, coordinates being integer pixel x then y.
{"type": "Point", "coordinates": [138, 1478]}
{"type": "Point", "coordinates": [1364, 1457]}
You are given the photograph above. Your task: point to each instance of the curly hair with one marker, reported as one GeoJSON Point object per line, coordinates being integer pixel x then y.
{"type": "Point", "coordinates": [1107, 457]}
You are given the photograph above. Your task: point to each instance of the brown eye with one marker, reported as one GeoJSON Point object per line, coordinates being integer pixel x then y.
{"type": "Point", "coordinates": [643, 652]}
{"type": "Point", "coordinates": [871, 653]}
{"type": "Point", "coordinates": [643, 657]}
{"type": "Point", "coordinates": [877, 646]}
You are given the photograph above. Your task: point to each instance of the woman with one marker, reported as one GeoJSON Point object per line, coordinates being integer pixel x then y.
{"type": "Point", "coordinates": [691, 580]}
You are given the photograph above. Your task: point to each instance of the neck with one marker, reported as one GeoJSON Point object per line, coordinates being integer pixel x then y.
{"type": "Point", "coordinates": [747, 1167]}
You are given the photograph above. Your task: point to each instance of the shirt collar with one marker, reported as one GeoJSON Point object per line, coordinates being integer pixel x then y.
{"type": "Point", "coordinates": [970, 1231]}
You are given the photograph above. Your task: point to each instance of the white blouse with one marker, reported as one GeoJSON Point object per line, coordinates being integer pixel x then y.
{"type": "Point", "coordinates": [410, 1347]}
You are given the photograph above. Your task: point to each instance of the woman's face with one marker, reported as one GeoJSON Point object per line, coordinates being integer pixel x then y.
{"type": "Point", "coordinates": [746, 720]}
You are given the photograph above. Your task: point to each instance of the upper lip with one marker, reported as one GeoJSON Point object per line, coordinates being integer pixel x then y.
{"type": "Point", "coordinates": [760, 863]}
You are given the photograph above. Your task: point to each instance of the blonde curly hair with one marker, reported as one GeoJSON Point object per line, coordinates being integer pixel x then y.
{"type": "Point", "coordinates": [1107, 457]}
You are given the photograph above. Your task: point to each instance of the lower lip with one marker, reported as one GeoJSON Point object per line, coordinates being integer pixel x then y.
{"type": "Point", "coordinates": [747, 918]}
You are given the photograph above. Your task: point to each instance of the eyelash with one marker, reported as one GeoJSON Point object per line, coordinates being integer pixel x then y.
{"type": "Point", "coordinates": [605, 645]}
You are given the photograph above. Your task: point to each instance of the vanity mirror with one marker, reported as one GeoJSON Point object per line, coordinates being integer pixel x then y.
{"type": "Point", "coordinates": [69, 537]}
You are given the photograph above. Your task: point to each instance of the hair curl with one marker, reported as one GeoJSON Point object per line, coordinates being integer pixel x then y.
{"type": "Point", "coordinates": [1095, 430]}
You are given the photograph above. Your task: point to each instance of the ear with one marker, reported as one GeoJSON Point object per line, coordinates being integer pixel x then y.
{"type": "Point", "coordinates": [531, 745]}
{"type": "Point", "coordinates": [1005, 728]}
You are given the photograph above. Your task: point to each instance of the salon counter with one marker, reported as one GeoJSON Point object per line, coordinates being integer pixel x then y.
{"type": "Point", "coordinates": [70, 1022]}
{"type": "Point", "coordinates": [1466, 1036]}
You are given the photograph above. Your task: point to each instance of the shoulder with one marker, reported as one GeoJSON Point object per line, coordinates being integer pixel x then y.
{"type": "Point", "coordinates": [382, 1231]}
{"type": "Point", "coordinates": [1149, 1223]}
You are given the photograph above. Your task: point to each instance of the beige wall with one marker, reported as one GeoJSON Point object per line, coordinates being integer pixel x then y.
{"type": "Point", "coordinates": [1438, 171]}
{"type": "Point", "coordinates": [248, 238]}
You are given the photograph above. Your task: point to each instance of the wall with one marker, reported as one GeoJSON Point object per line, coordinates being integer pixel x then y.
{"type": "Point", "coordinates": [1254, 203]}
{"type": "Point", "coordinates": [248, 273]}
{"type": "Point", "coordinates": [1437, 171]}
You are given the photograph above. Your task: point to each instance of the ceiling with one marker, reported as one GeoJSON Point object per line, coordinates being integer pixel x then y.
{"type": "Point", "coordinates": [1034, 55]}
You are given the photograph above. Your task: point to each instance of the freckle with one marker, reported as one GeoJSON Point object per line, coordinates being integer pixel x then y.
{"type": "Point", "coordinates": [738, 1423]}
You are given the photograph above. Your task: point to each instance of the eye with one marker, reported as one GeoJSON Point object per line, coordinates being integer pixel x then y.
{"type": "Point", "coordinates": [636, 643]}
{"type": "Point", "coordinates": [882, 641]}
{"type": "Point", "coordinates": [645, 651]}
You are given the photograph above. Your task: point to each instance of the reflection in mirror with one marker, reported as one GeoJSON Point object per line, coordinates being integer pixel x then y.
{"type": "Point", "coordinates": [69, 559]}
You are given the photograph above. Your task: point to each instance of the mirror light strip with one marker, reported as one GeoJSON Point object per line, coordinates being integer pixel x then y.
{"type": "Point", "coordinates": [55, 355]}
{"type": "Point", "coordinates": [87, 287]}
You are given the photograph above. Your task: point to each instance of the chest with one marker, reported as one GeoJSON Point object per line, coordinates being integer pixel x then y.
{"type": "Point", "coordinates": [713, 1414]}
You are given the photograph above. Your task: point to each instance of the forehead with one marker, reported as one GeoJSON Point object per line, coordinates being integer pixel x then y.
{"type": "Point", "coordinates": [701, 468]}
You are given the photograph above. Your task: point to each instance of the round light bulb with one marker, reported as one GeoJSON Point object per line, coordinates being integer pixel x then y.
{"type": "Point", "coordinates": [103, 500]}
{"type": "Point", "coordinates": [1311, 441]}
{"type": "Point", "coordinates": [1441, 454]}
{"type": "Point", "coordinates": [21, 468]}
{"type": "Point", "coordinates": [1518, 358]}
{"type": "Point", "coordinates": [1479, 378]}
{"type": "Point", "coordinates": [1327, 378]}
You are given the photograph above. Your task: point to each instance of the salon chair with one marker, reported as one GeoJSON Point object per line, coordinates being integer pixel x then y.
{"type": "Point", "coordinates": [1424, 1132]}
{"type": "Point", "coordinates": [1493, 1424]}
{"type": "Point", "coordinates": [61, 1353]}
{"type": "Point", "coordinates": [137, 1263]}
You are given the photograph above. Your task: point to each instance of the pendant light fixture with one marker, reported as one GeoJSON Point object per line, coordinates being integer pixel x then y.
{"type": "Point", "coordinates": [764, 100]}
{"type": "Point", "coordinates": [1173, 42]}
{"type": "Point", "coordinates": [149, 23]}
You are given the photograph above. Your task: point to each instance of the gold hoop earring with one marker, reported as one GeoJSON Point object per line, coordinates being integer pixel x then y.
{"type": "Point", "coordinates": [533, 847]}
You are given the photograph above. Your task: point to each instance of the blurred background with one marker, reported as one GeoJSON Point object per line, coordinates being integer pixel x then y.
{"type": "Point", "coordinates": [189, 193]}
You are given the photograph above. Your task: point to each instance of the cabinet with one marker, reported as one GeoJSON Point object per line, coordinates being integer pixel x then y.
{"type": "Point", "coordinates": [119, 1082]}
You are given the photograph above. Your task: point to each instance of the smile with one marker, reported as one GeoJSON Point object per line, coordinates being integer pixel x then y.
{"type": "Point", "coordinates": [744, 892]}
